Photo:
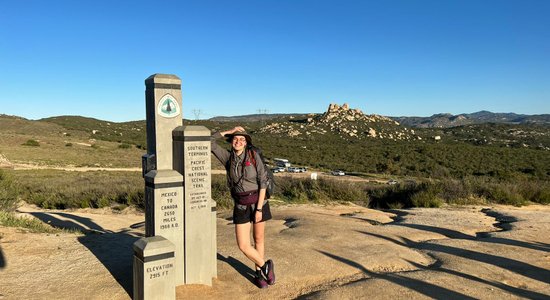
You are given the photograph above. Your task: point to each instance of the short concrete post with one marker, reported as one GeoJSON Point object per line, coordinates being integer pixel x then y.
{"type": "Point", "coordinates": [154, 269]}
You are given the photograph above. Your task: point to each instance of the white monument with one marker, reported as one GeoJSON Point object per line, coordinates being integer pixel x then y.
{"type": "Point", "coordinates": [180, 211]}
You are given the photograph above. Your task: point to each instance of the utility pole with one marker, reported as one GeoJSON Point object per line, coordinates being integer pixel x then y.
{"type": "Point", "coordinates": [264, 112]}
{"type": "Point", "coordinates": [197, 113]}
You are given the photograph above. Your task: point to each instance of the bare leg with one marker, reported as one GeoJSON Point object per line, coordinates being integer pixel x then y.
{"type": "Point", "coordinates": [259, 240]}
{"type": "Point", "coordinates": [242, 232]}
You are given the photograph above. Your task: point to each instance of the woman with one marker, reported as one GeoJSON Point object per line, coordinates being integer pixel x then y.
{"type": "Point", "coordinates": [247, 179]}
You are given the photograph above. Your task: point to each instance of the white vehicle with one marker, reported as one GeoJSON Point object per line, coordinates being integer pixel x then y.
{"type": "Point", "coordinates": [293, 170]}
{"type": "Point", "coordinates": [299, 169]}
{"type": "Point", "coordinates": [281, 162]}
{"type": "Point", "coordinates": [338, 173]}
{"type": "Point", "coordinates": [277, 169]}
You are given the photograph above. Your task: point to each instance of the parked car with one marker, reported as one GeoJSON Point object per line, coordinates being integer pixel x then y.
{"type": "Point", "coordinates": [338, 173]}
{"type": "Point", "coordinates": [293, 170]}
{"type": "Point", "coordinates": [277, 169]}
{"type": "Point", "coordinates": [392, 182]}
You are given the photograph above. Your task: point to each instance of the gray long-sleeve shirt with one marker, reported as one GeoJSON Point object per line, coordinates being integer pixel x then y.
{"type": "Point", "coordinates": [254, 178]}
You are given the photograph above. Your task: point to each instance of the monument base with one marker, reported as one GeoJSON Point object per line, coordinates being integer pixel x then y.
{"type": "Point", "coordinates": [154, 269]}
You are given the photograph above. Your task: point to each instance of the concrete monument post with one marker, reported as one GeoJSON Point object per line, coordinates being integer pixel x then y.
{"type": "Point", "coordinates": [163, 185]}
{"type": "Point", "coordinates": [154, 269]}
{"type": "Point", "coordinates": [193, 161]}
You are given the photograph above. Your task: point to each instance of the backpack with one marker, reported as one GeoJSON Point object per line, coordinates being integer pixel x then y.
{"type": "Point", "coordinates": [270, 178]}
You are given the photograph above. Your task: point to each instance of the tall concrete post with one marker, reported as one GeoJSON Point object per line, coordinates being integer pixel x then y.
{"type": "Point", "coordinates": [192, 145]}
{"type": "Point", "coordinates": [163, 185]}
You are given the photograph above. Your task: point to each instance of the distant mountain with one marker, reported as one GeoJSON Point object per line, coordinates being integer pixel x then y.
{"type": "Point", "coordinates": [480, 117]}
{"type": "Point", "coordinates": [252, 118]}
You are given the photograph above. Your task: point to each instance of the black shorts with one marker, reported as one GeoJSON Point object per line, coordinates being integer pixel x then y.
{"type": "Point", "coordinates": [246, 213]}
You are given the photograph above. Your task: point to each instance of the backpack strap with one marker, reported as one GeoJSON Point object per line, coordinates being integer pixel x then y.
{"type": "Point", "coordinates": [230, 182]}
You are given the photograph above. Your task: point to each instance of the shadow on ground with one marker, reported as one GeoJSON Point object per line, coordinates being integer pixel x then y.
{"type": "Point", "coordinates": [243, 269]}
{"type": "Point", "coordinates": [422, 287]}
{"type": "Point", "coordinates": [2, 260]}
{"type": "Point", "coordinates": [432, 249]}
{"type": "Point", "coordinates": [113, 249]}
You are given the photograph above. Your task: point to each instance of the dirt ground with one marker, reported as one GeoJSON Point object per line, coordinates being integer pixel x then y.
{"type": "Point", "coordinates": [320, 252]}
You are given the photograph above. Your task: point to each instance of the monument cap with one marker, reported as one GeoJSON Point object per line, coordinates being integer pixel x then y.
{"type": "Point", "coordinates": [230, 136]}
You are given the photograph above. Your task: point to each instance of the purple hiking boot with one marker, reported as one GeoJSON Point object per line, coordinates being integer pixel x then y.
{"type": "Point", "coordinates": [260, 280]}
{"type": "Point", "coordinates": [269, 272]}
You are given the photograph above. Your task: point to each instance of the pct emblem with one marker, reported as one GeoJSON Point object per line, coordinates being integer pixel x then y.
{"type": "Point", "coordinates": [168, 107]}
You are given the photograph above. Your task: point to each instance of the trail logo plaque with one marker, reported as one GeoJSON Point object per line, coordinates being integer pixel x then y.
{"type": "Point", "coordinates": [168, 107]}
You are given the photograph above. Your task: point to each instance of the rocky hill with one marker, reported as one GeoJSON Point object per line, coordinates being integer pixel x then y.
{"type": "Point", "coordinates": [347, 122]}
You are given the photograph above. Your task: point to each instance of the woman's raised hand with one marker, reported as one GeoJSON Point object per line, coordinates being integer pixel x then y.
{"type": "Point", "coordinates": [231, 131]}
{"type": "Point", "coordinates": [237, 128]}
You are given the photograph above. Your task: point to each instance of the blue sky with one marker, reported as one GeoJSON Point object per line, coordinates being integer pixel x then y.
{"type": "Point", "coordinates": [394, 58]}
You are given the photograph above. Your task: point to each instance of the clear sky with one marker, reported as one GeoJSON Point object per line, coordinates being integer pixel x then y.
{"type": "Point", "coordinates": [394, 58]}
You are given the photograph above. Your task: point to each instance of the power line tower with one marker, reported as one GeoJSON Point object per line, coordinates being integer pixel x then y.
{"type": "Point", "coordinates": [197, 113]}
{"type": "Point", "coordinates": [263, 112]}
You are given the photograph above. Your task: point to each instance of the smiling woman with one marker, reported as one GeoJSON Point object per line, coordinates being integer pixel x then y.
{"type": "Point", "coordinates": [247, 178]}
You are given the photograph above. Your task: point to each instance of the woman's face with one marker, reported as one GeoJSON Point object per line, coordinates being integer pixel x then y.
{"type": "Point", "coordinates": [238, 143]}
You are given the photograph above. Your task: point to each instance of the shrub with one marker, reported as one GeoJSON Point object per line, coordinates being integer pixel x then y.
{"type": "Point", "coordinates": [60, 189]}
{"type": "Point", "coordinates": [32, 143]}
{"type": "Point", "coordinates": [394, 196]}
{"type": "Point", "coordinates": [427, 197]}
{"type": "Point", "coordinates": [220, 192]}
{"type": "Point", "coordinates": [8, 192]}
{"type": "Point", "coordinates": [319, 191]}
{"type": "Point", "coordinates": [412, 194]}
{"type": "Point", "coordinates": [504, 194]}
{"type": "Point", "coordinates": [68, 144]}
{"type": "Point", "coordinates": [124, 146]}
{"type": "Point", "coordinates": [33, 225]}
{"type": "Point", "coordinates": [295, 190]}
{"type": "Point", "coordinates": [543, 196]}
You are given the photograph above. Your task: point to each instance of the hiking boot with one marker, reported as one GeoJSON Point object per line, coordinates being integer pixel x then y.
{"type": "Point", "coordinates": [268, 271]}
{"type": "Point", "coordinates": [260, 280]}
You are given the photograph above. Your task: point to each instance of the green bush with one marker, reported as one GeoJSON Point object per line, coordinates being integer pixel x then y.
{"type": "Point", "coordinates": [296, 190]}
{"type": "Point", "coordinates": [220, 192]}
{"type": "Point", "coordinates": [427, 197]}
{"type": "Point", "coordinates": [8, 192]}
{"type": "Point", "coordinates": [503, 195]}
{"type": "Point", "coordinates": [124, 146]}
{"type": "Point", "coordinates": [32, 143]}
{"type": "Point", "coordinates": [68, 144]}
{"type": "Point", "coordinates": [394, 196]}
{"type": "Point", "coordinates": [543, 196]}
{"type": "Point", "coordinates": [33, 225]}
{"type": "Point", "coordinates": [60, 189]}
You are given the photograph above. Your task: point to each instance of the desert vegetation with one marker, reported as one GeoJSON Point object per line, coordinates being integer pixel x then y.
{"type": "Point", "coordinates": [472, 164]}
{"type": "Point", "coordinates": [62, 189]}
